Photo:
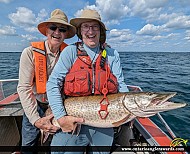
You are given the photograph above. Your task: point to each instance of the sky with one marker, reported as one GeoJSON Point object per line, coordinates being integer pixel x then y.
{"type": "Point", "coordinates": [134, 25]}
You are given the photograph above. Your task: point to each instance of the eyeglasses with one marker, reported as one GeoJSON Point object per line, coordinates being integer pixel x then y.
{"type": "Point", "coordinates": [86, 28]}
{"type": "Point", "coordinates": [61, 29]}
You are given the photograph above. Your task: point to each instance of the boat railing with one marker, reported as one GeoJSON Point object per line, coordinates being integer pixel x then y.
{"type": "Point", "coordinates": [137, 88]}
{"type": "Point", "coordinates": [7, 87]}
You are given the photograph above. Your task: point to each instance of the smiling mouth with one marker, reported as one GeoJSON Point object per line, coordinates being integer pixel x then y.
{"type": "Point", "coordinates": [91, 37]}
{"type": "Point", "coordinates": [55, 37]}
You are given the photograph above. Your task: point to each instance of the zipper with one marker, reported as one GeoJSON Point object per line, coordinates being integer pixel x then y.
{"type": "Point", "coordinates": [93, 77]}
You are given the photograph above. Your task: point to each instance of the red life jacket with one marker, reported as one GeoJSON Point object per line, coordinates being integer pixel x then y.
{"type": "Point", "coordinates": [83, 75]}
{"type": "Point", "coordinates": [41, 65]}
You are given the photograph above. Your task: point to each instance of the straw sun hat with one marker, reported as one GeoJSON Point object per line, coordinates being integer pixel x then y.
{"type": "Point", "coordinates": [57, 16]}
{"type": "Point", "coordinates": [89, 15]}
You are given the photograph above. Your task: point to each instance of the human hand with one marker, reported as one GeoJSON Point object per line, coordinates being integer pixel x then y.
{"type": "Point", "coordinates": [68, 123]}
{"type": "Point", "coordinates": [45, 124]}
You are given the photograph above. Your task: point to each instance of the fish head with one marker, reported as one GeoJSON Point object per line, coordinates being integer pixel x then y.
{"type": "Point", "coordinates": [146, 104]}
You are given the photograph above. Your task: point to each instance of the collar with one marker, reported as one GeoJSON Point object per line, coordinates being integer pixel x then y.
{"type": "Point", "coordinates": [47, 48]}
{"type": "Point", "coordinates": [48, 51]}
{"type": "Point", "coordinates": [95, 50]}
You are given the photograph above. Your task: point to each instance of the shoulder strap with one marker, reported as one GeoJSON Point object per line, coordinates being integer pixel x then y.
{"type": "Point", "coordinates": [40, 66]}
{"type": "Point", "coordinates": [103, 59]}
{"type": "Point", "coordinates": [63, 45]}
{"type": "Point", "coordinates": [80, 49]}
{"type": "Point", "coordinates": [38, 47]}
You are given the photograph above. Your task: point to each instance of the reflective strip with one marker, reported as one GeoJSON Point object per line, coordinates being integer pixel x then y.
{"type": "Point", "coordinates": [39, 51]}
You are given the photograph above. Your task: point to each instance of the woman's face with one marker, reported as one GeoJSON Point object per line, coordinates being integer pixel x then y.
{"type": "Point", "coordinates": [90, 32]}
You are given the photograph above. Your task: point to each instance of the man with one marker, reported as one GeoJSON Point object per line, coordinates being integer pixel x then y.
{"type": "Point", "coordinates": [36, 64]}
{"type": "Point", "coordinates": [83, 69]}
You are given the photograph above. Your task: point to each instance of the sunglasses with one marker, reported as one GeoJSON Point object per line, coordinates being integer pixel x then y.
{"type": "Point", "coordinates": [61, 29]}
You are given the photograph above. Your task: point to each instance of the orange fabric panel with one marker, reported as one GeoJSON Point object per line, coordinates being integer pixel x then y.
{"type": "Point", "coordinates": [40, 72]}
{"type": "Point", "coordinates": [156, 133]}
{"type": "Point", "coordinates": [41, 66]}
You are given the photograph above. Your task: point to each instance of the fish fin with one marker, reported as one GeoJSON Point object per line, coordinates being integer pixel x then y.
{"type": "Point", "coordinates": [186, 141]}
{"type": "Point", "coordinates": [131, 124]}
{"type": "Point", "coordinates": [73, 132]}
{"type": "Point", "coordinates": [41, 137]}
{"type": "Point", "coordinates": [44, 137]}
{"type": "Point", "coordinates": [76, 130]}
{"type": "Point", "coordinates": [122, 121]}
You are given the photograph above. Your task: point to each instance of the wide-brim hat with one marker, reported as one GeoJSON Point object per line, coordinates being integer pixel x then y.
{"type": "Point", "coordinates": [89, 15]}
{"type": "Point", "coordinates": [57, 16]}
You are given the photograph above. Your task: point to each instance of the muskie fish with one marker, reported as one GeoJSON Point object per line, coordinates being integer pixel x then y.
{"type": "Point", "coordinates": [122, 108]}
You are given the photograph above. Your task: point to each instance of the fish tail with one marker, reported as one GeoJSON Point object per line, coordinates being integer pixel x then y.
{"type": "Point", "coordinates": [185, 142]}
{"type": "Point", "coordinates": [78, 129]}
{"type": "Point", "coordinates": [46, 135]}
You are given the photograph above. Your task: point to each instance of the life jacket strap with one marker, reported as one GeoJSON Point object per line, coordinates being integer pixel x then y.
{"type": "Point", "coordinates": [103, 112]}
{"type": "Point", "coordinates": [80, 49]}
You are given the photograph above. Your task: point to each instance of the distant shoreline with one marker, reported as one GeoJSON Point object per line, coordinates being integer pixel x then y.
{"type": "Point", "coordinates": [9, 51]}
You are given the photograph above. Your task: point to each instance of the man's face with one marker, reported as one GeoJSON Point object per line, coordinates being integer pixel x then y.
{"type": "Point", "coordinates": [56, 33]}
{"type": "Point", "coordinates": [90, 32]}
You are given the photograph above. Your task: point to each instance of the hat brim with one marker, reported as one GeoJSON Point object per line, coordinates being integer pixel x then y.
{"type": "Point", "coordinates": [78, 21]}
{"type": "Point", "coordinates": [43, 25]}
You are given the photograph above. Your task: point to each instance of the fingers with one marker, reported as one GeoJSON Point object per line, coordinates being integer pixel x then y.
{"type": "Point", "coordinates": [46, 125]}
{"type": "Point", "coordinates": [50, 116]}
{"type": "Point", "coordinates": [78, 120]}
{"type": "Point", "coordinates": [68, 123]}
{"type": "Point", "coordinates": [51, 128]}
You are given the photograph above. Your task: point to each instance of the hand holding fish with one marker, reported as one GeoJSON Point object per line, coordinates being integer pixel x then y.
{"type": "Point", "coordinates": [45, 124]}
{"type": "Point", "coordinates": [68, 123]}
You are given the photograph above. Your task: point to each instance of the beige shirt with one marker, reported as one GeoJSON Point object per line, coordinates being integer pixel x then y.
{"type": "Point", "coordinates": [26, 85]}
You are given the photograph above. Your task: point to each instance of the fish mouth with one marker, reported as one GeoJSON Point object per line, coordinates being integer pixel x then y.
{"type": "Point", "coordinates": [160, 103]}
{"type": "Point", "coordinates": [161, 98]}
{"type": "Point", "coordinates": [165, 106]}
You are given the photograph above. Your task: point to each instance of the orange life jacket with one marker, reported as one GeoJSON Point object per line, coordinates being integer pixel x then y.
{"type": "Point", "coordinates": [41, 65]}
{"type": "Point", "coordinates": [83, 75]}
